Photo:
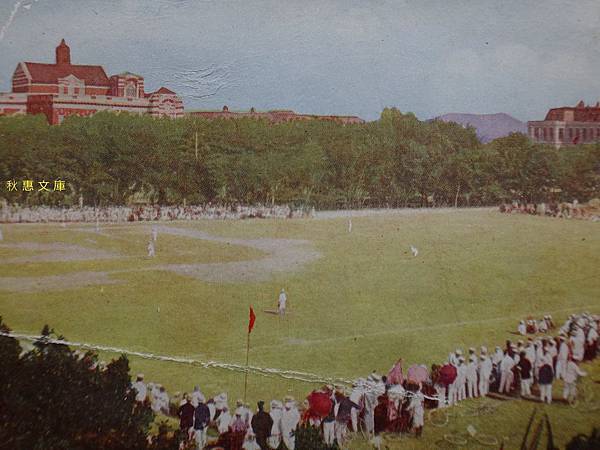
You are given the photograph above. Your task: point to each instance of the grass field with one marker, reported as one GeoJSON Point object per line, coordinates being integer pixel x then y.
{"type": "Point", "coordinates": [357, 301]}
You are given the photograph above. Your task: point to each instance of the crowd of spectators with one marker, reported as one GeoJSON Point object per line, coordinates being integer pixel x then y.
{"type": "Point", "coordinates": [390, 403]}
{"type": "Point", "coordinates": [117, 214]}
{"type": "Point", "coordinates": [565, 210]}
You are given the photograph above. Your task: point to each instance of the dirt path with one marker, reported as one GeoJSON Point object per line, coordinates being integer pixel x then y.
{"type": "Point", "coordinates": [55, 252]}
{"type": "Point", "coordinates": [74, 280]}
{"type": "Point", "coordinates": [283, 255]}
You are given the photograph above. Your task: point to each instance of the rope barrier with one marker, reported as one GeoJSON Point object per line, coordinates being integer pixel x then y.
{"type": "Point", "coordinates": [263, 371]}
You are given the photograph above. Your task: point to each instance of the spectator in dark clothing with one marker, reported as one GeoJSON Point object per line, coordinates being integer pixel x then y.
{"type": "Point", "coordinates": [545, 379]}
{"type": "Point", "coordinates": [186, 416]}
{"type": "Point", "coordinates": [261, 425]}
{"type": "Point", "coordinates": [524, 368]}
{"type": "Point", "coordinates": [329, 426]}
{"type": "Point", "coordinates": [342, 418]}
{"type": "Point", "coordinates": [381, 414]}
{"type": "Point", "coordinates": [201, 420]}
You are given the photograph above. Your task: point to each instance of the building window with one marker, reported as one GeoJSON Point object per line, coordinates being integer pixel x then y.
{"type": "Point", "coordinates": [130, 90]}
{"type": "Point", "coordinates": [537, 132]}
{"type": "Point", "coordinates": [584, 134]}
{"type": "Point", "coordinates": [561, 134]}
{"type": "Point", "coordinates": [570, 133]}
{"type": "Point", "coordinates": [76, 91]}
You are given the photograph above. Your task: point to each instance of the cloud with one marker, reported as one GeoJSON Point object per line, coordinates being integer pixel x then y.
{"type": "Point", "coordinates": [332, 56]}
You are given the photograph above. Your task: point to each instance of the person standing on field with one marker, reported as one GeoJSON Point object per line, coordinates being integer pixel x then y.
{"type": "Point", "coordinates": [485, 371]}
{"type": "Point", "coordinates": [525, 369]}
{"type": "Point", "coordinates": [140, 388]}
{"type": "Point", "coordinates": [290, 417]}
{"type": "Point", "coordinates": [545, 379]}
{"type": "Point", "coordinates": [506, 373]}
{"type": "Point", "coordinates": [151, 249]}
{"type": "Point", "coordinates": [186, 417]}
{"type": "Point", "coordinates": [262, 423]}
{"type": "Point", "coordinates": [472, 377]}
{"type": "Point", "coordinates": [276, 412]}
{"type": "Point", "coordinates": [201, 421]}
{"type": "Point", "coordinates": [281, 303]}
{"type": "Point", "coordinates": [572, 372]}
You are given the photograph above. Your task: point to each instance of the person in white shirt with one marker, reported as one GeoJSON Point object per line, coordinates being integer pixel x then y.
{"type": "Point", "coordinates": [472, 377]}
{"type": "Point", "coordinates": [281, 303]}
{"type": "Point", "coordinates": [416, 406]}
{"type": "Point", "coordinates": [163, 400]}
{"type": "Point", "coordinates": [289, 422]}
{"type": "Point", "coordinates": [151, 252]}
{"type": "Point", "coordinates": [224, 420]}
{"type": "Point", "coordinates": [506, 373]}
{"type": "Point", "coordinates": [530, 351]}
{"type": "Point", "coordinates": [485, 371]}
{"type": "Point", "coordinates": [275, 413]}
{"type": "Point", "coordinates": [561, 358]}
{"type": "Point", "coordinates": [461, 379]}
{"type": "Point", "coordinates": [578, 345]}
{"type": "Point", "coordinates": [498, 356]}
{"type": "Point", "coordinates": [542, 326]}
{"type": "Point", "coordinates": [140, 388]}
{"type": "Point", "coordinates": [197, 397]}
{"type": "Point", "coordinates": [572, 372]}
{"type": "Point", "coordinates": [522, 329]}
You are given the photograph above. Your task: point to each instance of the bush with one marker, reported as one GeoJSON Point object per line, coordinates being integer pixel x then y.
{"type": "Point", "coordinates": [54, 398]}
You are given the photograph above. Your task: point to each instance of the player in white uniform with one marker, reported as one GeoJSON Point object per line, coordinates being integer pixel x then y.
{"type": "Point", "coordinates": [281, 303]}
{"type": "Point", "coordinates": [151, 249]}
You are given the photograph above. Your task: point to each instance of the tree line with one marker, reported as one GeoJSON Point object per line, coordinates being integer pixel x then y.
{"type": "Point", "coordinates": [395, 161]}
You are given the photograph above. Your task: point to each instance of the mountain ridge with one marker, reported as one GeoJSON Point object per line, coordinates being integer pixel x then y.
{"type": "Point", "coordinates": [487, 126]}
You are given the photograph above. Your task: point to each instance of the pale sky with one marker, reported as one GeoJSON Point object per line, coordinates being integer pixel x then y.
{"type": "Point", "coordinates": [327, 56]}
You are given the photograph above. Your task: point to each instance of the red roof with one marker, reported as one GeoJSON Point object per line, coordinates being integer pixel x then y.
{"type": "Point", "coordinates": [578, 113]}
{"type": "Point", "coordinates": [164, 90]}
{"type": "Point", "coordinates": [586, 114]}
{"type": "Point", "coordinates": [50, 73]}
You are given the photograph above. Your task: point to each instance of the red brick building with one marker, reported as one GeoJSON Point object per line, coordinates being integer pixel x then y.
{"type": "Point", "coordinates": [568, 125]}
{"type": "Point", "coordinates": [274, 116]}
{"type": "Point", "coordinates": [62, 89]}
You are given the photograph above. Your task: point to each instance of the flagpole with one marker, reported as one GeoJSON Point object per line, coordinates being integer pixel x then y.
{"type": "Point", "coordinates": [251, 320]}
{"type": "Point", "coordinates": [246, 374]}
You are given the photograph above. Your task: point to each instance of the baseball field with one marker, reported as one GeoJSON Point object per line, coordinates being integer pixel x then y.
{"type": "Point", "coordinates": [357, 301]}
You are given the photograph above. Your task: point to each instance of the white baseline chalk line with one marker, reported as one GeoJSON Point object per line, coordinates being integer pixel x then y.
{"type": "Point", "coordinates": [264, 371]}
{"type": "Point", "coordinates": [268, 372]}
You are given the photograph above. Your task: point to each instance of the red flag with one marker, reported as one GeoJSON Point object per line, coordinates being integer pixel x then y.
{"type": "Point", "coordinates": [252, 320]}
